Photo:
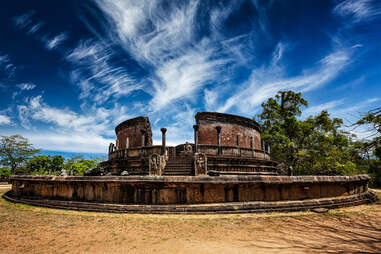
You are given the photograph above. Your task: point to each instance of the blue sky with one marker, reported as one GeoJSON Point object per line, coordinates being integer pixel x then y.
{"type": "Point", "coordinates": [70, 71]}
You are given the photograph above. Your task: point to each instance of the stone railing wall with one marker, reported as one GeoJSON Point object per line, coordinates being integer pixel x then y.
{"type": "Point", "coordinates": [173, 151]}
{"type": "Point", "coordinates": [187, 189]}
{"type": "Point", "coordinates": [233, 151]}
{"type": "Point", "coordinates": [135, 152]}
{"type": "Point", "coordinates": [246, 165]}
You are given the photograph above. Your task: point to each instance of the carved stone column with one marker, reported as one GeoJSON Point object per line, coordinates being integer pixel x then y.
{"type": "Point", "coordinates": [218, 128]}
{"type": "Point", "coordinates": [110, 150]}
{"type": "Point", "coordinates": [163, 147]}
{"type": "Point", "coordinates": [143, 131]}
{"type": "Point", "coordinates": [195, 128]}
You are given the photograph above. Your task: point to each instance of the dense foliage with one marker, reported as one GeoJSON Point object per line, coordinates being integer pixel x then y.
{"type": "Point", "coordinates": [318, 144]}
{"type": "Point", "coordinates": [14, 151]}
{"type": "Point", "coordinates": [16, 155]}
{"type": "Point", "coordinates": [53, 165]}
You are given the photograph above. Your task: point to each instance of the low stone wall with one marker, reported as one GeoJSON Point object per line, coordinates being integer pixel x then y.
{"type": "Point", "coordinates": [190, 190]}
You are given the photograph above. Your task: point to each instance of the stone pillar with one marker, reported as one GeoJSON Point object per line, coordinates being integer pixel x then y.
{"type": "Point", "coordinates": [218, 128]}
{"type": "Point", "coordinates": [163, 147]}
{"type": "Point", "coordinates": [195, 128]}
{"type": "Point", "coordinates": [143, 137]}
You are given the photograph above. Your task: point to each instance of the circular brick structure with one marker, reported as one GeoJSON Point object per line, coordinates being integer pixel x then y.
{"type": "Point", "coordinates": [134, 132]}
{"type": "Point", "coordinates": [235, 131]}
{"type": "Point", "coordinates": [191, 194]}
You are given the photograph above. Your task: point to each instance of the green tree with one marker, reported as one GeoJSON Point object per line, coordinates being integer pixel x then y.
{"type": "Point", "coordinates": [5, 171]}
{"type": "Point", "coordinates": [79, 167]}
{"type": "Point", "coordinates": [373, 119]}
{"type": "Point", "coordinates": [39, 164]}
{"type": "Point", "coordinates": [280, 126]}
{"type": "Point", "coordinates": [372, 147]}
{"type": "Point", "coordinates": [69, 162]}
{"type": "Point", "coordinates": [316, 145]}
{"type": "Point", "coordinates": [14, 151]}
{"type": "Point", "coordinates": [56, 163]}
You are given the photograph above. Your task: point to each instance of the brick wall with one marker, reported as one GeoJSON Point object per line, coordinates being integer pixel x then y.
{"type": "Point", "coordinates": [231, 128]}
{"type": "Point", "coordinates": [131, 129]}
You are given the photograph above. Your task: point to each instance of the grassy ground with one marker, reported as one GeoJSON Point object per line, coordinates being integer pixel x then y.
{"type": "Point", "coordinates": [27, 229]}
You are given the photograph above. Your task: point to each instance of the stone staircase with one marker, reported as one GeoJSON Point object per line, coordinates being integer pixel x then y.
{"type": "Point", "coordinates": [179, 165]}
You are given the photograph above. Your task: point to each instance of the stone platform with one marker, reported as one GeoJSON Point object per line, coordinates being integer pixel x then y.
{"type": "Point", "coordinates": [191, 194]}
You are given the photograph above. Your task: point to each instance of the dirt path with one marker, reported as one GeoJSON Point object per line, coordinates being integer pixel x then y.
{"type": "Point", "coordinates": [27, 229]}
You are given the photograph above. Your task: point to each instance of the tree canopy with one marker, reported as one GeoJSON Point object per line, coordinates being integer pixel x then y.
{"type": "Point", "coordinates": [316, 145]}
{"type": "Point", "coordinates": [14, 151]}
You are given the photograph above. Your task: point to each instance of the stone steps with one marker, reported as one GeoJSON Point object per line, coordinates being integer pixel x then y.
{"type": "Point", "coordinates": [181, 165]}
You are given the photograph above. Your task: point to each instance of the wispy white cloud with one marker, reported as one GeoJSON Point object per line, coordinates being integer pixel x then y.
{"type": "Point", "coordinates": [34, 28]}
{"type": "Point", "coordinates": [265, 82]}
{"type": "Point", "coordinates": [142, 27]}
{"type": "Point", "coordinates": [5, 120]}
{"type": "Point", "coordinates": [26, 86]}
{"type": "Point", "coordinates": [359, 10]}
{"type": "Point", "coordinates": [24, 20]}
{"type": "Point", "coordinates": [278, 53]}
{"type": "Point", "coordinates": [210, 99]}
{"type": "Point", "coordinates": [66, 141]}
{"type": "Point", "coordinates": [36, 109]}
{"type": "Point", "coordinates": [178, 121]}
{"type": "Point", "coordinates": [355, 110]}
{"type": "Point", "coordinates": [6, 66]}
{"type": "Point", "coordinates": [57, 40]}
{"type": "Point", "coordinates": [3, 59]}
{"type": "Point", "coordinates": [97, 120]}
{"type": "Point", "coordinates": [95, 74]}
{"type": "Point", "coordinates": [165, 39]}
{"type": "Point", "coordinates": [23, 87]}
{"type": "Point", "coordinates": [372, 100]}
{"type": "Point", "coordinates": [68, 130]}
{"type": "Point", "coordinates": [181, 77]}
{"type": "Point", "coordinates": [325, 106]}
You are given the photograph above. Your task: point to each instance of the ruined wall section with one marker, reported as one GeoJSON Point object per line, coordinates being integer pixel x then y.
{"type": "Point", "coordinates": [231, 127]}
{"type": "Point", "coordinates": [132, 129]}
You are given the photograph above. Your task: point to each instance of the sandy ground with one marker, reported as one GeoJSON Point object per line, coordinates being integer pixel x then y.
{"type": "Point", "coordinates": [27, 229]}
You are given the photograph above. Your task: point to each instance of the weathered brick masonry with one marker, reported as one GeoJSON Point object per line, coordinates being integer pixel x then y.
{"type": "Point", "coordinates": [235, 130]}
{"type": "Point", "coordinates": [131, 132]}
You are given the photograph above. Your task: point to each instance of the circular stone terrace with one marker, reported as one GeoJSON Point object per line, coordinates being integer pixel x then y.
{"type": "Point", "coordinates": [191, 194]}
{"type": "Point", "coordinates": [227, 169]}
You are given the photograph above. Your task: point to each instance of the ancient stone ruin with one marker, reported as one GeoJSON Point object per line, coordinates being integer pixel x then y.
{"type": "Point", "coordinates": [227, 169]}
{"type": "Point", "coordinates": [223, 145]}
